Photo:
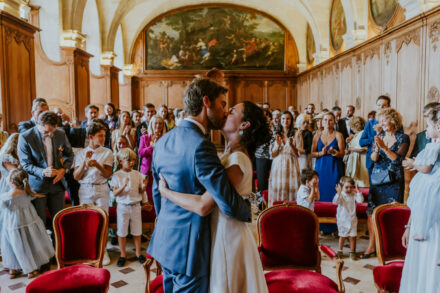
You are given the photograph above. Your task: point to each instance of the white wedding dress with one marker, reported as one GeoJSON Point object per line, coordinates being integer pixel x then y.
{"type": "Point", "coordinates": [235, 262]}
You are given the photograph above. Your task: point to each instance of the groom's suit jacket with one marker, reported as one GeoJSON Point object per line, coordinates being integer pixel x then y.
{"type": "Point", "coordinates": [181, 240]}
{"type": "Point", "coordinates": [33, 157]}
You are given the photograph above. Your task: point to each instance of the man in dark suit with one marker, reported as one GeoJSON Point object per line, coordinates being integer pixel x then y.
{"type": "Point", "coordinates": [350, 113]}
{"type": "Point", "coordinates": [371, 129]}
{"type": "Point", "coordinates": [141, 129]}
{"type": "Point", "coordinates": [189, 162]}
{"type": "Point", "coordinates": [39, 105]}
{"type": "Point", "coordinates": [421, 139]}
{"type": "Point", "coordinates": [340, 124]}
{"type": "Point", "coordinates": [45, 153]}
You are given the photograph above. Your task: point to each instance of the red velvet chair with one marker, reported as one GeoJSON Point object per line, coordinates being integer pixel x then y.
{"type": "Point", "coordinates": [157, 285]}
{"type": "Point", "coordinates": [80, 236]}
{"type": "Point", "coordinates": [289, 247]}
{"type": "Point", "coordinates": [389, 221]}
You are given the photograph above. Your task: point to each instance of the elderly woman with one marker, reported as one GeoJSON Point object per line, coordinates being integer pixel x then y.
{"type": "Point", "coordinates": [156, 128]}
{"type": "Point", "coordinates": [387, 178]}
{"type": "Point", "coordinates": [355, 155]}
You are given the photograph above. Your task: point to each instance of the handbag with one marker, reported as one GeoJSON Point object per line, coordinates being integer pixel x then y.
{"type": "Point", "coordinates": [382, 176]}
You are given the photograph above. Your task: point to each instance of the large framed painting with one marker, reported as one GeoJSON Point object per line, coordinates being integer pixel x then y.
{"type": "Point", "coordinates": [222, 37]}
{"type": "Point", "coordinates": [338, 25]}
{"type": "Point", "coordinates": [382, 11]}
{"type": "Point", "coordinates": [310, 44]}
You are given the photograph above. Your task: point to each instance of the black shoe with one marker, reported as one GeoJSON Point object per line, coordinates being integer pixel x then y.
{"type": "Point", "coordinates": [144, 239]}
{"type": "Point", "coordinates": [141, 259]}
{"type": "Point", "coordinates": [121, 262]}
{"type": "Point", "coordinates": [114, 241]}
{"type": "Point", "coordinates": [367, 255]}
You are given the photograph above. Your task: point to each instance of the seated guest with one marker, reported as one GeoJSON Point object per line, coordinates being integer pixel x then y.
{"type": "Point", "coordinates": [39, 105]}
{"type": "Point", "coordinates": [124, 128]}
{"type": "Point", "coordinates": [156, 129]}
{"type": "Point", "coordinates": [308, 192]}
{"type": "Point", "coordinates": [45, 153]}
{"type": "Point", "coordinates": [355, 155]}
{"type": "Point", "coordinates": [142, 128]}
{"type": "Point", "coordinates": [421, 138]}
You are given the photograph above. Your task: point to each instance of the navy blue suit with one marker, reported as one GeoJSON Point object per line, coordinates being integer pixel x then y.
{"type": "Point", "coordinates": [25, 125]}
{"type": "Point", "coordinates": [181, 241]}
{"type": "Point", "coordinates": [33, 159]}
{"type": "Point", "coordinates": [367, 140]}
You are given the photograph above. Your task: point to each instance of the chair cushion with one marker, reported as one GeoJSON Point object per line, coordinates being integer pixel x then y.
{"type": "Point", "coordinates": [77, 278]}
{"type": "Point", "coordinates": [292, 281]}
{"type": "Point", "coordinates": [325, 209]}
{"type": "Point", "coordinates": [289, 238]}
{"type": "Point", "coordinates": [361, 210]}
{"type": "Point", "coordinates": [392, 223]}
{"type": "Point", "coordinates": [156, 286]}
{"type": "Point", "coordinates": [147, 217]}
{"type": "Point", "coordinates": [80, 232]}
{"type": "Point", "coordinates": [388, 277]}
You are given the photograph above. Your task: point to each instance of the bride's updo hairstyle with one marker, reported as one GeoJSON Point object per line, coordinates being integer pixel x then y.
{"type": "Point", "coordinates": [259, 132]}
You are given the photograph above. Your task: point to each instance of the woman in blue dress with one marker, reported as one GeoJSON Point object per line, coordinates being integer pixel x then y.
{"type": "Point", "coordinates": [389, 149]}
{"type": "Point", "coordinates": [328, 148]}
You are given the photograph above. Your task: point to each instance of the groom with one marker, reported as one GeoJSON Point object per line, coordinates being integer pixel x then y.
{"type": "Point", "coordinates": [181, 242]}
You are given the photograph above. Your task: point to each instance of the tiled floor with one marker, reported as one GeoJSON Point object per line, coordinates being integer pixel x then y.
{"type": "Point", "coordinates": [357, 275]}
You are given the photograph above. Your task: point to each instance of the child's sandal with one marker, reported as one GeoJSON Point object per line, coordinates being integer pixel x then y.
{"type": "Point", "coordinates": [33, 274]}
{"type": "Point", "coordinates": [13, 274]}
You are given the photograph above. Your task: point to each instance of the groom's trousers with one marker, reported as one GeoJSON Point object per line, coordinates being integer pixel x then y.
{"type": "Point", "coordinates": [178, 283]}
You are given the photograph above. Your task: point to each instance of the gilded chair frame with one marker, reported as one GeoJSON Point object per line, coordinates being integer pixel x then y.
{"type": "Point", "coordinates": [376, 227]}
{"type": "Point", "coordinates": [338, 262]}
{"type": "Point", "coordinates": [97, 263]}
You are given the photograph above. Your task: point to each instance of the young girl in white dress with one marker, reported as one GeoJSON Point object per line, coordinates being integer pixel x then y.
{"type": "Point", "coordinates": [25, 243]}
{"type": "Point", "coordinates": [346, 199]}
{"type": "Point", "coordinates": [235, 263]}
{"type": "Point", "coordinates": [421, 272]}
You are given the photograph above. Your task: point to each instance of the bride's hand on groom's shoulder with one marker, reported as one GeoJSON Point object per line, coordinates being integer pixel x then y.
{"type": "Point", "coordinates": [163, 185]}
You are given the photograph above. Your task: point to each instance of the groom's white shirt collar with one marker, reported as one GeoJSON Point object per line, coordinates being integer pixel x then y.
{"type": "Point", "coordinates": [202, 128]}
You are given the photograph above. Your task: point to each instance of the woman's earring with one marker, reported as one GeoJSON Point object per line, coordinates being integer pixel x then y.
{"type": "Point", "coordinates": [240, 132]}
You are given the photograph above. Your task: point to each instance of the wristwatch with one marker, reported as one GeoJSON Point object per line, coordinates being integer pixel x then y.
{"type": "Point", "coordinates": [407, 226]}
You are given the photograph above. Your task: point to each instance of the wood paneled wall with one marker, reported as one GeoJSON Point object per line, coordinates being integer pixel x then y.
{"type": "Point", "coordinates": [403, 63]}
{"type": "Point", "coordinates": [167, 87]}
{"type": "Point", "coordinates": [17, 70]}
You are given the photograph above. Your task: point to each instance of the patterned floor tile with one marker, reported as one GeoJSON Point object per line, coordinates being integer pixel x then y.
{"type": "Point", "coordinates": [119, 284]}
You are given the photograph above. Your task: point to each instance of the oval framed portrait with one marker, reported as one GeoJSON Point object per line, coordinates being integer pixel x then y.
{"type": "Point", "coordinates": [338, 25]}
{"type": "Point", "coordinates": [382, 11]}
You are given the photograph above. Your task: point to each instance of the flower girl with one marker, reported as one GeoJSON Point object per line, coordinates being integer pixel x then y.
{"type": "Point", "coordinates": [25, 244]}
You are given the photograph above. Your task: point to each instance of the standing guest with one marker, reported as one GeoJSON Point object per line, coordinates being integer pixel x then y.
{"type": "Point", "coordinates": [136, 118]}
{"type": "Point", "coordinates": [371, 130]}
{"type": "Point", "coordinates": [3, 134]}
{"type": "Point", "coordinates": [328, 149]}
{"type": "Point", "coordinates": [156, 129]}
{"type": "Point", "coordinates": [121, 143]}
{"type": "Point", "coordinates": [421, 272]}
{"type": "Point", "coordinates": [350, 109]}
{"type": "Point", "coordinates": [285, 174]}
{"type": "Point", "coordinates": [291, 109]}
{"type": "Point", "coordinates": [129, 190]}
{"type": "Point", "coordinates": [39, 105]}
{"type": "Point", "coordinates": [142, 128]}
{"type": "Point", "coordinates": [295, 115]}
{"type": "Point", "coordinates": [163, 112]}
{"type": "Point", "coordinates": [304, 137]}
{"type": "Point", "coordinates": [346, 198]}
{"type": "Point", "coordinates": [124, 128]}
{"type": "Point", "coordinates": [266, 106]}
{"type": "Point", "coordinates": [25, 244]}
{"type": "Point", "coordinates": [308, 192]}
{"type": "Point", "coordinates": [78, 136]}
{"type": "Point", "coordinates": [111, 116]}
{"type": "Point", "coordinates": [355, 155]}
{"type": "Point", "coordinates": [8, 160]}
{"type": "Point", "coordinates": [180, 115]}
{"type": "Point", "coordinates": [421, 138]}
{"type": "Point", "coordinates": [340, 124]}
{"type": "Point", "coordinates": [46, 155]}
{"type": "Point", "coordinates": [263, 165]}
{"type": "Point", "coordinates": [371, 115]}
{"type": "Point", "coordinates": [387, 181]}
{"type": "Point", "coordinates": [275, 119]}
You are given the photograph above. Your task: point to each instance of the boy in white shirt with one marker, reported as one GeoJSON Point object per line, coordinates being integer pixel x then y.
{"type": "Point", "coordinates": [93, 167]}
{"type": "Point", "coordinates": [308, 192]}
{"type": "Point", "coordinates": [346, 198]}
{"type": "Point", "coordinates": [129, 190]}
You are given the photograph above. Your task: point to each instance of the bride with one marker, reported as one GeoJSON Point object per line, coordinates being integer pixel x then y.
{"type": "Point", "coordinates": [235, 262]}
